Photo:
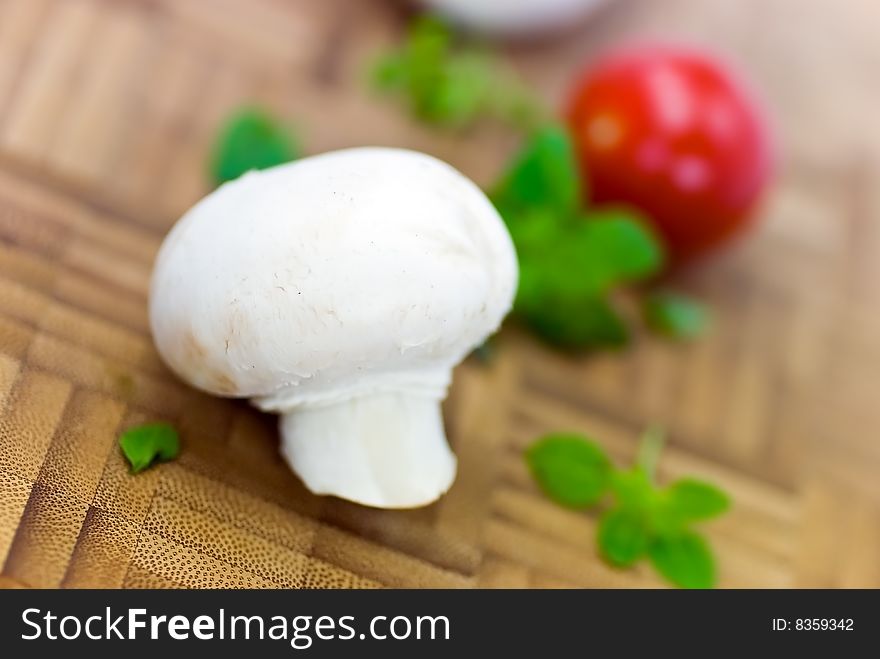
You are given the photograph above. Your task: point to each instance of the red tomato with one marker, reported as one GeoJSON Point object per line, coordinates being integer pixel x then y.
{"type": "Point", "coordinates": [673, 132]}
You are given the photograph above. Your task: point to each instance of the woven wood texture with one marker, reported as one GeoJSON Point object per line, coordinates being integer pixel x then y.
{"type": "Point", "coordinates": [106, 113]}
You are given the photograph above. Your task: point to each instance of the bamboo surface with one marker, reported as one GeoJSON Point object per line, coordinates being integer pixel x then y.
{"type": "Point", "coordinates": [107, 109]}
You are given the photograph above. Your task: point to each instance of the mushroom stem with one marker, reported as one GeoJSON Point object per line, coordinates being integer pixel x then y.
{"type": "Point", "coordinates": [386, 450]}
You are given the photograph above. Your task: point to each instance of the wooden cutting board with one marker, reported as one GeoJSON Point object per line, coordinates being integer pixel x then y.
{"type": "Point", "coordinates": [107, 110]}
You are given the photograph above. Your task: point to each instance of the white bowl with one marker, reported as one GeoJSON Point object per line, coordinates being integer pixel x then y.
{"type": "Point", "coordinates": [513, 17]}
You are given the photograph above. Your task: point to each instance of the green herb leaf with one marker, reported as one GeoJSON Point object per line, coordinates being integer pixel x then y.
{"type": "Point", "coordinates": [544, 175]}
{"type": "Point", "coordinates": [578, 323]}
{"type": "Point", "coordinates": [683, 558]}
{"type": "Point", "coordinates": [585, 258]}
{"type": "Point", "coordinates": [621, 247]}
{"type": "Point", "coordinates": [633, 488]}
{"type": "Point", "coordinates": [150, 442]}
{"type": "Point", "coordinates": [567, 270]}
{"type": "Point", "coordinates": [691, 500]}
{"type": "Point", "coordinates": [460, 97]}
{"type": "Point", "coordinates": [674, 315]}
{"type": "Point", "coordinates": [572, 470]}
{"type": "Point", "coordinates": [623, 536]}
{"type": "Point", "coordinates": [250, 139]}
{"type": "Point", "coordinates": [449, 84]}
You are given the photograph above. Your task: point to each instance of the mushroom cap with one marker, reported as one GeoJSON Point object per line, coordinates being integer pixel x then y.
{"type": "Point", "coordinates": [358, 271]}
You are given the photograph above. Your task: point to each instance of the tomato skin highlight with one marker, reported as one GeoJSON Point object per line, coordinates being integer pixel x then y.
{"type": "Point", "coordinates": [672, 131]}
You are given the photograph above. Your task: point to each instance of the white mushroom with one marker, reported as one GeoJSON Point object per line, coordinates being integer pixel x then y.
{"type": "Point", "coordinates": [339, 291]}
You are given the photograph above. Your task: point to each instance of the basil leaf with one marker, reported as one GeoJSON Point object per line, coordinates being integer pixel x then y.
{"type": "Point", "coordinates": [571, 469]}
{"type": "Point", "coordinates": [623, 536]}
{"type": "Point", "coordinates": [250, 139]}
{"type": "Point", "coordinates": [567, 269]}
{"type": "Point", "coordinates": [544, 175]}
{"type": "Point", "coordinates": [462, 96]}
{"type": "Point", "coordinates": [586, 257]}
{"type": "Point", "coordinates": [674, 315]}
{"type": "Point", "coordinates": [586, 322]}
{"type": "Point", "coordinates": [148, 443]}
{"type": "Point", "coordinates": [390, 73]}
{"type": "Point", "coordinates": [684, 559]}
{"type": "Point", "coordinates": [691, 500]}
{"type": "Point", "coordinates": [633, 488]}
{"type": "Point", "coordinates": [422, 61]}
{"type": "Point", "coordinates": [619, 247]}
{"type": "Point", "coordinates": [450, 84]}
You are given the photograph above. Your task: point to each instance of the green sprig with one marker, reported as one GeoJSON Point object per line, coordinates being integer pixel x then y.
{"type": "Point", "coordinates": [448, 83]}
{"type": "Point", "coordinates": [640, 519]}
{"type": "Point", "coordinates": [571, 259]}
